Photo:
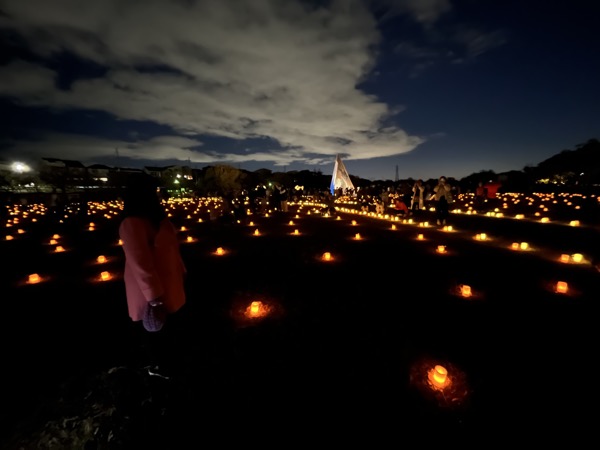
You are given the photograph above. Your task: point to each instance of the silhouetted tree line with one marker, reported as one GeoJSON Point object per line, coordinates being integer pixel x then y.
{"type": "Point", "coordinates": [569, 170]}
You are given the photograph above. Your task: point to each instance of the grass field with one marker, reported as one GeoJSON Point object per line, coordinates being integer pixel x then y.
{"type": "Point", "coordinates": [345, 347]}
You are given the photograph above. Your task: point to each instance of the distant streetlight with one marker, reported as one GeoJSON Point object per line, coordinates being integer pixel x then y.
{"type": "Point", "coordinates": [20, 167]}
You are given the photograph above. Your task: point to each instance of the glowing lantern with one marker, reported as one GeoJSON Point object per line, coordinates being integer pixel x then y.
{"type": "Point", "coordinates": [448, 228]}
{"type": "Point", "coordinates": [574, 223]}
{"type": "Point", "coordinates": [251, 224]}
{"type": "Point", "coordinates": [120, 242]}
{"type": "Point", "coordinates": [524, 246]}
{"type": "Point", "coordinates": [33, 278]}
{"type": "Point", "coordinates": [441, 249]}
{"type": "Point", "coordinates": [105, 276]}
{"type": "Point", "coordinates": [190, 239]}
{"type": "Point", "coordinates": [393, 227]}
{"type": "Point", "coordinates": [562, 287]}
{"type": "Point", "coordinates": [183, 228]}
{"type": "Point", "coordinates": [577, 257]}
{"type": "Point", "coordinates": [20, 231]}
{"type": "Point", "coordinates": [420, 237]}
{"type": "Point", "coordinates": [220, 251]}
{"type": "Point", "coordinates": [357, 236]}
{"type": "Point", "coordinates": [55, 236]}
{"type": "Point", "coordinates": [256, 232]}
{"type": "Point", "coordinates": [465, 290]}
{"type": "Point", "coordinates": [91, 228]}
{"type": "Point", "coordinates": [515, 246]}
{"type": "Point", "coordinates": [101, 259]}
{"type": "Point", "coordinates": [438, 377]}
{"type": "Point", "coordinates": [326, 256]}
{"type": "Point", "coordinates": [9, 237]}
{"type": "Point", "coordinates": [59, 249]}
{"type": "Point", "coordinates": [354, 222]}
{"type": "Point", "coordinates": [255, 309]}
{"type": "Point", "coordinates": [53, 241]}
{"type": "Point", "coordinates": [565, 258]}
{"type": "Point", "coordinates": [291, 222]}
{"type": "Point", "coordinates": [296, 232]}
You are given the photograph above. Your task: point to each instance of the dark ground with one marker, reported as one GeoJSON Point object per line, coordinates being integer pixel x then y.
{"type": "Point", "coordinates": [342, 358]}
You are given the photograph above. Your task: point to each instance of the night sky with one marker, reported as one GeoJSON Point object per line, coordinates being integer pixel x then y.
{"type": "Point", "coordinates": [413, 88]}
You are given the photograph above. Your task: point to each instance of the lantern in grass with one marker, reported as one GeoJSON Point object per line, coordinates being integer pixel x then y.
{"type": "Point", "coordinates": [465, 290]}
{"type": "Point", "coordinates": [33, 278]}
{"type": "Point", "coordinates": [59, 249]}
{"type": "Point", "coordinates": [354, 222]}
{"type": "Point", "coordinates": [564, 258]}
{"type": "Point", "coordinates": [357, 236]}
{"type": "Point", "coordinates": [256, 232]}
{"type": "Point", "coordinates": [577, 257]}
{"type": "Point", "coordinates": [105, 276]}
{"type": "Point", "coordinates": [296, 232]}
{"type": "Point", "coordinates": [291, 222]}
{"type": "Point", "coordinates": [441, 249]}
{"type": "Point", "coordinates": [393, 226]}
{"type": "Point", "coordinates": [220, 251]}
{"type": "Point", "coordinates": [574, 223]}
{"type": "Point", "coordinates": [190, 239]}
{"type": "Point", "coordinates": [9, 237]}
{"type": "Point", "coordinates": [524, 246]}
{"type": "Point", "coordinates": [420, 237]}
{"type": "Point", "coordinates": [326, 256]}
{"type": "Point", "coordinates": [438, 377]}
{"type": "Point", "coordinates": [254, 308]}
{"type": "Point", "coordinates": [101, 259]}
{"type": "Point", "coordinates": [55, 236]}
{"type": "Point", "coordinates": [562, 287]}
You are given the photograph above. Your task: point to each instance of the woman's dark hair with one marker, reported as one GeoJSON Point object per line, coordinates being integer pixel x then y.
{"type": "Point", "coordinates": [140, 199]}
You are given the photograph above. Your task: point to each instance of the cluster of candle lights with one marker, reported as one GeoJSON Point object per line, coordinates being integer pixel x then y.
{"type": "Point", "coordinates": [438, 377]}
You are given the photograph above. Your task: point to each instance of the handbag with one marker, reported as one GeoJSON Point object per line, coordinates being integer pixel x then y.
{"type": "Point", "coordinates": [154, 317]}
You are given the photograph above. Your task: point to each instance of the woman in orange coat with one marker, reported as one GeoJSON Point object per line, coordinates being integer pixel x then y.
{"type": "Point", "coordinates": [154, 272]}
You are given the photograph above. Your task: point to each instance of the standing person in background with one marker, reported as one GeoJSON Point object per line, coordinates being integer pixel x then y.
{"type": "Point", "coordinates": [442, 195]}
{"type": "Point", "coordinates": [154, 270]}
{"type": "Point", "coordinates": [417, 200]}
{"type": "Point", "coordinates": [480, 197]}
